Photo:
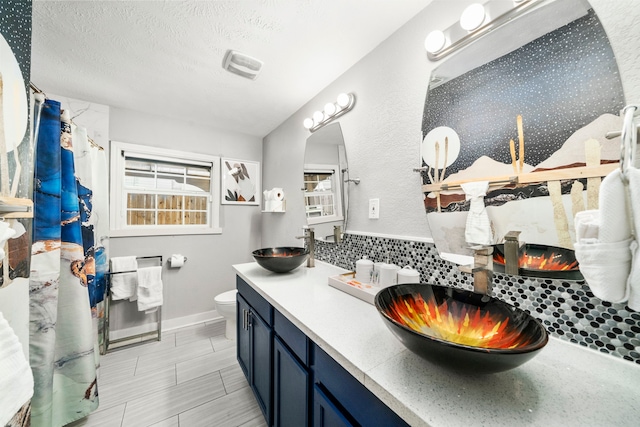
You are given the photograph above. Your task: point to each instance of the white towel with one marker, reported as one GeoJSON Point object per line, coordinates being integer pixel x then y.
{"type": "Point", "coordinates": [149, 288]}
{"type": "Point", "coordinates": [634, 276]}
{"type": "Point", "coordinates": [6, 232]}
{"type": "Point", "coordinates": [125, 282]}
{"type": "Point", "coordinates": [605, 267]}
{"type": "Point", "coordinates": [587, 224]}
{"type": "Point", "coordinates": [478, 227]}
{"type": "Point", "coordinates": [16, 379]}
{"type": "Point", "coordinates": [605, 262]}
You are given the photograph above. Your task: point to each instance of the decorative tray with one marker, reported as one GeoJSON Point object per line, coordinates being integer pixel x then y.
{"type": "Point", "coordinates": [347, 283]}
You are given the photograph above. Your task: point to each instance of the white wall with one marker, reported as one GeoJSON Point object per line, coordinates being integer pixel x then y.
{"type": "Point", "coordinates": [382, 135]}
{"type": "Point", "coordinates": [190, 290]}
{"type": "Point", "coordinates": [383, 131]}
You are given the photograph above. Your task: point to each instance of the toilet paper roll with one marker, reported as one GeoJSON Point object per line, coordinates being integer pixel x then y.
{"type": "Point", "coordinates": [176, 261]}
{"type": "Point", "coordinates": [275, 194]}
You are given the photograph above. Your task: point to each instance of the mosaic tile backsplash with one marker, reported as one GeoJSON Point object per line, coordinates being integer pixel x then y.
{"type": "Point", "coordinates": [567, 309]}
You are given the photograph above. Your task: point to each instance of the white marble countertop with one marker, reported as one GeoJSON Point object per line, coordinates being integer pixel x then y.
{"type": "Point", "coordinates": [564, 384]}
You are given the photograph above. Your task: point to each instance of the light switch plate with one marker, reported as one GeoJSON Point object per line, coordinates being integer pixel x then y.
{"type": "Point", "coordinates": [374, 208]}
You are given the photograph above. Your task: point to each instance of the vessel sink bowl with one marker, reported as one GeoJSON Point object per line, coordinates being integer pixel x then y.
{"type": "Point", "coordinates": [281, 259]}
{"type": "Point", "coordinates": [460, 330]}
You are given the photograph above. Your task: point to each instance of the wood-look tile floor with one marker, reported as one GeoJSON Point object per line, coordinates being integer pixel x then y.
{"type": "Point", "coordinates": [191, 378]}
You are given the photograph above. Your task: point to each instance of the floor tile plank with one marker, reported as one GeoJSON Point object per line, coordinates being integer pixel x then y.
{"type": "Point", "coordinates": [173, 355]}
{"type": "Point", "coordinates": [169, 422]}
{"type": "Point", "coordinates": [231, 410]}
{"type": "Point", "coordinates": [233, 378]}
{"type": "Point", "coordinates": [171, 401]}
{"type": "Point", "coordinates": [206, 364]}
{"type": "Point", "coordinates": [111, 417]}
{"type": "Point", "coordinates": [113, 394]}
{"type": "Point", "coordinates": [203, 332]}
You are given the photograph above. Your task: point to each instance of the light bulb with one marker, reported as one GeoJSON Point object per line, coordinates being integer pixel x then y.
{"type": "Point", "coordinates": [330, 109]}
{"type": "Point", "coordinates": [343, 100]}
{"type": "Point", "coordinates": [318, 116]}
{"type": "Point", "coordinates": [472, 17]}
{"type": "Point", "coordinates": [435, 41]}
{"type": "Point", "coordinates": [308, 123]}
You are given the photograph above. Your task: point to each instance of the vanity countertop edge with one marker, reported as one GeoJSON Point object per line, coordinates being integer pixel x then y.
{"type": "Point", "coordinates": [564, 383]}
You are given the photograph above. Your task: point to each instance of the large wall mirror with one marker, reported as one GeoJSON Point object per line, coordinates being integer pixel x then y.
{"type": "Point", "coordinates": [325, 195]}
{"type": "Point", "coordinates": [524, 109]}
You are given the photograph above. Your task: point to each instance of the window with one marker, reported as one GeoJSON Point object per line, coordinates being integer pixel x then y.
{"type": "Point", "coordinates": [156, 191]}
{"type": "Point", "coordinates": [322, 196]}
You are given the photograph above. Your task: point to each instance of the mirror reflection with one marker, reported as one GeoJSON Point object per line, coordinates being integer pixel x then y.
{"type": "Point", "coordinates": [325, 162]}
{"type": "Point", "coordinates": [514, 135]}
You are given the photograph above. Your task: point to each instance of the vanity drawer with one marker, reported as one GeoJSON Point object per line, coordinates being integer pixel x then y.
{"type": "Point", "coordinates": [255, 300]}
{"type": "Point", "coordinates": [294, 338]}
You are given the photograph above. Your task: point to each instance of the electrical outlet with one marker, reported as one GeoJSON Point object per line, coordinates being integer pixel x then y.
{"type": "Point", "coordinates": [374, 208]}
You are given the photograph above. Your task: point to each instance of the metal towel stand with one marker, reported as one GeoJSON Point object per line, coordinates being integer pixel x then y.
{"type": "Point", "coordinates": [157, 334]}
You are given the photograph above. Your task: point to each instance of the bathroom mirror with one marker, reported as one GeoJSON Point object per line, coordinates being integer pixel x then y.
{"type": "Point", "coordinates": [525, 109]}
{"type": "Point", "coordinates": [325, 196]}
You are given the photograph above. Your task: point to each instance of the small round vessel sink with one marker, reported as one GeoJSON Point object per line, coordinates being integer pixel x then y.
{"type": "Point", "coordinates": [460, 330]}
{"type": "Point", "coordinates": [281, 259]}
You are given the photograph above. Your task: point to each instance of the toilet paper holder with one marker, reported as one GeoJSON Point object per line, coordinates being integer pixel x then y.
{"type": "Point", "coordinates": [177, 260]}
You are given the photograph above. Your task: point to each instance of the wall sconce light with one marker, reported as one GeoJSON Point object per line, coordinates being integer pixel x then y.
{"type": "Point", "coordinates": [331, 111]}
{"type": "Point", "coordinates": [476, 20]}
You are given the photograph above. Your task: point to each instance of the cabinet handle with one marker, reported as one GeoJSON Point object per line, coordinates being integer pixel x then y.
{"type": "Point", "coordinates": [244, 319]}
{"type": "Point", "coordinates": [249, 317]}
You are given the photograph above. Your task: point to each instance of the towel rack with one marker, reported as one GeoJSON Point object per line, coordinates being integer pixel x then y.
{"type": "Point", "coordinates": [157, 334]}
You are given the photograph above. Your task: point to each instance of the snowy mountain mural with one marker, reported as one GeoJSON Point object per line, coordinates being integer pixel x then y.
{"type": "Point", "coordinates": [542, 109]}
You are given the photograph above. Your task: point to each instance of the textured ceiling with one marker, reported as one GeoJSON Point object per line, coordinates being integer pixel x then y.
{"type": "Point", "coordinates": [165, 57]}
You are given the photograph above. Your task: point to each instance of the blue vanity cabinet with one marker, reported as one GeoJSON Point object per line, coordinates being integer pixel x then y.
{"type": "Point", "coordinates": [291, 376]}
{"type": "Point", "coordinates": [295, 382]}
{"type": "Point", "coordinates": [326, 413]}
{"type": "Point", "coordinates": [255, 345]}
{"type": "Point", "coordinates": [340, 399]}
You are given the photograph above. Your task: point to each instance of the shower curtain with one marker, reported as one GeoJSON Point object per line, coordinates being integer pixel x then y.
{"type": "Point", "coordinates": [64, 286]}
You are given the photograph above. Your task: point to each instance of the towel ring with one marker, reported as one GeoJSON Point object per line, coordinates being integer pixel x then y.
{"type": "Point", "coordinates": [629, 139]}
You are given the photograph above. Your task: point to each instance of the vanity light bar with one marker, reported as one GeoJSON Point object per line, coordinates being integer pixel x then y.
{"type": "Point", "coordinates": [331, 111]}
{"type": "Point", "coordinates": [476, 21]}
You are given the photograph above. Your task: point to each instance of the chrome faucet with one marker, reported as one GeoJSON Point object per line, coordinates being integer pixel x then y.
{"type": "Point", "coordinates": [512, 245]}
{"type": "Point", "coordinates": [337, 234]}
{"type": "Point", "coordinates": [310, 238]}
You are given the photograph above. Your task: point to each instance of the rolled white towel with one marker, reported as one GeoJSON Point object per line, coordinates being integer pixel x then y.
{"type": "Point", "coordinates": [616, 224]}
{"type": "Point", "coordinates": [587, 224]}
{"type": "Point", "coordinates": [478, 226]}
{"type": "Point", "coordinates": [634, 276]}
{"type": "Point", "coordinates": [149, 288]}
{"type": "Point", "coordinates": [16, 379]}
{"type": "Point", "coordinates": [605, 261]}
{"type": "Point", "coordinates": [605, 267]}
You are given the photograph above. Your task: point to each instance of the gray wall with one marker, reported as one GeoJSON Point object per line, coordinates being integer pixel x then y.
{"type": "Point", "coordinates": [190, 290]}
{"type": "Point", "coordinates": [383, 131]}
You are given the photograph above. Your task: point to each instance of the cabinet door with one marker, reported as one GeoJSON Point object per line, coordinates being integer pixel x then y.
{"type": "Point", "coordinates": [261, 358]}
{"type": "Point", "coordinates": [325, 413]}
{"type": "Point", "coordinates": [290, 388]}
{"type": "Point", "coordinates": [243, 337]}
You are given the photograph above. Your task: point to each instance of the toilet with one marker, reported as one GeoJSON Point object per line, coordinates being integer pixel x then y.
{"type": "Point", "coordinates": [226, 307]}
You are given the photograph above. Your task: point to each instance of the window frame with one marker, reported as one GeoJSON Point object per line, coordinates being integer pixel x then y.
{"type": "Point", "coordinates": [337, 192]}
{"type": "Point", "coordinates": [118, 213]}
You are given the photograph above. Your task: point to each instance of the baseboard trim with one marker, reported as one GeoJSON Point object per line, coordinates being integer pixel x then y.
{"type": "Point", "coordinates": [167, 325]}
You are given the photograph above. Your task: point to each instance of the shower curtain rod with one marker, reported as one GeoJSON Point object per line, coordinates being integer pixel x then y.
{"type": "Point", "coordinates": [36, 89]}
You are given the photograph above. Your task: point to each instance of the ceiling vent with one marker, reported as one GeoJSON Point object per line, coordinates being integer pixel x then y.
{"type": "Point", "coordinates": [241, 64]}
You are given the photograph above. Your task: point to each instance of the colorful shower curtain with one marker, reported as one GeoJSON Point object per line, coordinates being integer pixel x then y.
{"type": "Point", "coordinates": [64, 284]}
